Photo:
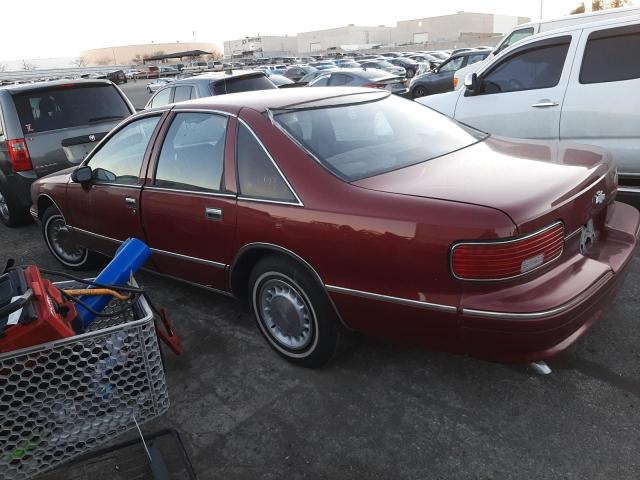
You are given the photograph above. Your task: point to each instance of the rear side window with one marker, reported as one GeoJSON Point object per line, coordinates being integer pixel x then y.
{"type": "Point", "coordinates": [321, 82]}
{"type": "Point", "coordinates": [531, 69]}
{"type": "Point", "coordinates": [516, 37]}
{"type": "Point", "coordinates": [65, 107]}
{"type": "Point", "coordinates": [183, 93]}
{"type": "Point", "coordinates": [192, 155]}
{"type": "Point", "coordinates": [258, 176]}
{"type": "Point", "coordinates": [338, 79]}
{"type": "Point", "coordinates": [242, 84]}
{"type": "Point", "coordinates": [452, 65]}
{"type": "Point", "coordinates": [471, 59]}
{"type": "Point", "coordinates": [611, 56]}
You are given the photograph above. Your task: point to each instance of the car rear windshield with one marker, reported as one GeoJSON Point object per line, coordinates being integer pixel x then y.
{"type": "Point", "coordinates": [360, 140]}
{"type": "Point", "coordinates": [72, 106]}
{"type": "Point", "coordinates": [242, 84]}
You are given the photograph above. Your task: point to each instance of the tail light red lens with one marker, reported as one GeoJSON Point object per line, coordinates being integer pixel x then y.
{"type": "Point", "coordinates": [375, 85]}
{"type": "Point", "coordinates": [499, 260]}
{"type": "Point", "coordinates": [19, 153]}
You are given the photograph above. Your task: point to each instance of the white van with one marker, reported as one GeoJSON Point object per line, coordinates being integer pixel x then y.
{"type": "Point", "coordinates": [580, 84]}
{"type": "Point", "coordinates": [525, 30]}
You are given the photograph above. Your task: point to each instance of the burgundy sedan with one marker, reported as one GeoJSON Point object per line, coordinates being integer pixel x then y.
{"type": "Point", "coordinates": [332, 210]}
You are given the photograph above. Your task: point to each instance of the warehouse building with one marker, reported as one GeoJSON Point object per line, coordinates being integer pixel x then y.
{"type": "Point", "coordinates": [350, 37]}
{"type": "Point", "coordinates": [125, 54]}
{"type": "Point", "coordinates": [261, 46]}
{"type": "Point", "coordinates": [450, 28]}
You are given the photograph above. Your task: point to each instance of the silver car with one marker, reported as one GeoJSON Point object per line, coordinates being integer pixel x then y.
{"type": "Point", "coordinates": [363, 77]}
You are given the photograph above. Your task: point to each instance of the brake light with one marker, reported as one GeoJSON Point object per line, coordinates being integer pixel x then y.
{"type": "Point", "coordinates": [499, 260]}
{"type": "Point", "coordinates": [19, 153]}
{"type": "Point", "coordinates": [375, 85]}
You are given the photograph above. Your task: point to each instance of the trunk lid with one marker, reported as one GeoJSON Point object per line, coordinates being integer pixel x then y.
{"type": "Point", "coordinates": [535, 183]}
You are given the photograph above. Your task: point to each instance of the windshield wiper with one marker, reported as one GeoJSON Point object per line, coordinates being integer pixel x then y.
{"type": "Point", "coordinates": [106, 117]}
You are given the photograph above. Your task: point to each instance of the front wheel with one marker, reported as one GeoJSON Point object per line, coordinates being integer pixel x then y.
{"type": "Point", "coordinates": [294, 313]}
{"type": "Point", "coordinates": [419, 91]}
{"type": "Point", "coordinates": [61, 245]}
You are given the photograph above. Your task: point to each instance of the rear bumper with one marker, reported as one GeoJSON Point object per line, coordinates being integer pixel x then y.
{"type": "Point", "coordinates": [539, 319]}
{"type": "Point", "coordinates": [18, 188]}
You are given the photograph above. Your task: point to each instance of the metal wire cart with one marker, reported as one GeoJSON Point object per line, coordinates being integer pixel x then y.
{"type": "Point", "coordinates": [61, 399]}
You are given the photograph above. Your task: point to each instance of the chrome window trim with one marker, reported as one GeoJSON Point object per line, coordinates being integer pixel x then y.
{"type": "Point", "coordinates": [284, 178]}
{"type": "Point", "coordinates": [157, 250]}
{"type": "Point", "coordinates": [154, 188]}
{"type": "Point", "coordinates": [262, 200]}
{"type": "Point", "coordinates": [387, 298]}
{"type": "Point", "coordinates": [201, 110]}
{"type": "Point", "coordinates": [111, 184]}
{"type": "Point", "coordinates": [581, 298]}
{"type": "Point", "coordinates": [502, 242]}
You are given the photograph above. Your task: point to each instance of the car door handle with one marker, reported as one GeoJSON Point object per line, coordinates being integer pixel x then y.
{"type": "Point", "coordinates": [131, 202]}
{"type": "Point", "coordinates": [213, 213]}
{"type": "Point", "coordinates": [545, 104]}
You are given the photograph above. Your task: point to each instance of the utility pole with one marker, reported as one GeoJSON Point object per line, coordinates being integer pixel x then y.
{"type": "Point", "coordinates": [541, 4]}
{"type": "Point", "coordinates": [193, 32]}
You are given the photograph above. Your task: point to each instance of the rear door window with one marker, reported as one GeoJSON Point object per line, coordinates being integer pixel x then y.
{"type": "Point", "coordinates": [192, 155]}
{"type": "Point", "coordinates": [533, 68]}
{"type": "Point", "coordinates": [471, 59]}
{"type": "Point", "coordinates": [611, 56]}
{"type": "Point", "coordinates": [72, 106]}
{"type": "Point", "coordinates": [183, 93]}
{"type": "Point", "coordinates": [338, 79]}
{"type": "Point", "coordinates": [120, 158]}
{"type": "Point", "coordinates": [163, 97]}
{"type": "Point", "coordinates": [452, 65]}
{"type": "Point", "coordinates": [242, 84]}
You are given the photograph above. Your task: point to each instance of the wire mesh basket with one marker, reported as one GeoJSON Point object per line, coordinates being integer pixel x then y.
{"type": "Point", "coordinates": [63, 398]}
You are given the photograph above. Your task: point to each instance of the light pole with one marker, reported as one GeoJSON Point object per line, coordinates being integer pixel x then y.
{"type": "Point", "coordinates": [541, 4]}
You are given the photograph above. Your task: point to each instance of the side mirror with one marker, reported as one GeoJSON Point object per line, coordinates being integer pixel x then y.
{"type": "Point", "coordinates": [82, 174]}
{"type": "Point", "coordinates": [471, 83]}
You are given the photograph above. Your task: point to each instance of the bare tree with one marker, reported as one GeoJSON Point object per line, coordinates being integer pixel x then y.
{"type": "Point", "coordinates": [579, 9]}
{"type": "Point", "coordinates": [214, 55]}
{"type": "Point", "coordinates": [619, 3]}
{"type": "Point", "coordinates": [104, 61]}
{"type": "Point", "coordinates": [80, 62]}
{"type": "Point", "coordinates": [27, 66]}
{"type": "Point", "coordinates": [137, 60]}
{"type": "Point", "coordinates": [597, 5]}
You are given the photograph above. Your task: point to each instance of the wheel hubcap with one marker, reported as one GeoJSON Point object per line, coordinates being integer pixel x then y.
{"type": "Point", "coordinates": [285, 314]}
{"type": "Point", "coordinates": [4, 208]}
{"type": "Point", "coordinates": [60, 239]}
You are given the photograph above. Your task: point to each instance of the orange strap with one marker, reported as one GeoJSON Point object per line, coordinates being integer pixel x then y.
{"type": "Point", "coordinates": [97, 291]}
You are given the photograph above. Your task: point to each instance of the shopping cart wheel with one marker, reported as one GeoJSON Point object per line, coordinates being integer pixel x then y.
{"type": "Point", "coordinates": [294, 313]}
{"type": "Point", "coordinates": [61, 244]}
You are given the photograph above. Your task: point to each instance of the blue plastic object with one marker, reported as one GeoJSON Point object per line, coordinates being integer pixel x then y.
{"type": "Point", "coordinates": [128, 259]}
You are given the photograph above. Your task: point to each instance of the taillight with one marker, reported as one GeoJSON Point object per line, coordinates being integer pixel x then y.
{"type": "Point", "coordinates": [19, 153]}
{"type": "Point", "coordinates": [499, 260]}
{"type": "Point", "coordinates": [375, 85]}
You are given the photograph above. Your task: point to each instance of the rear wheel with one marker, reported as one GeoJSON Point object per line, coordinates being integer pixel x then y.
{"type": "Point", "coordinates": [419, 91]}
{"type": "Point", "coordinates": [294, 313]}
{"type": "Point", "coordinates": [60, 243]}
{"type": "Point", "coordinates": [10, 214]}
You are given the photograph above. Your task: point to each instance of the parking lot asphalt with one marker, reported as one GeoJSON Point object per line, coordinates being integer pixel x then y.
{"type": "Point", "coordinates": [385, 411]}
{"type": "Point", "coordinates": [136, 92]}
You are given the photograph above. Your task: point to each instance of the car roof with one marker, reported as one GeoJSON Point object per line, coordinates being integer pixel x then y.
{"type": "Point", "coordinates": [33, 87]}
{"type": "Point", "coordinates": [273, 99]}
{"type": "Point", "coordinates": [215, 76]}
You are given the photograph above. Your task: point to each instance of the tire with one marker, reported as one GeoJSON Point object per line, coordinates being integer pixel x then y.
{"type": "Point", "coordinates": [53, 224]}
{"type": "Point", "coordinates": [10, 214]}
{"type": "Point", "coordinates": [419, 91]}
{"type": "Point", "coordinates": [281, 285]}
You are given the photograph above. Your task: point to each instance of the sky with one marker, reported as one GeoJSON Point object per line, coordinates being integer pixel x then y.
{"type": "Point", "coordinates": [64, 28]}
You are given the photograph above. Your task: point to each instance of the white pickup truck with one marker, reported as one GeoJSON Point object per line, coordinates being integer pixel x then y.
{"type": "Point", "coordinates": [580, 84]}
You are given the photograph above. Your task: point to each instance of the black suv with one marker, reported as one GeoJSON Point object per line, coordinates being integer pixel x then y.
{"type": "Point", "coordinates": [50, 126]}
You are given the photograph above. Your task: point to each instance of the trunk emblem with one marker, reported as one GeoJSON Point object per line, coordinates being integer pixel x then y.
{"type": "Point", "coordinates": [92, 138]}
{"type": "Point", "coordinates": [599, 197]}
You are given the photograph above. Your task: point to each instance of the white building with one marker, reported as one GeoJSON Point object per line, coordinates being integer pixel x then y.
{"type": "Point", "coordinates": [449, 28]}
{"type": "Point", "coordinates": [350, 36]}
{"type": "Point", "coordinates": [261, 46]}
